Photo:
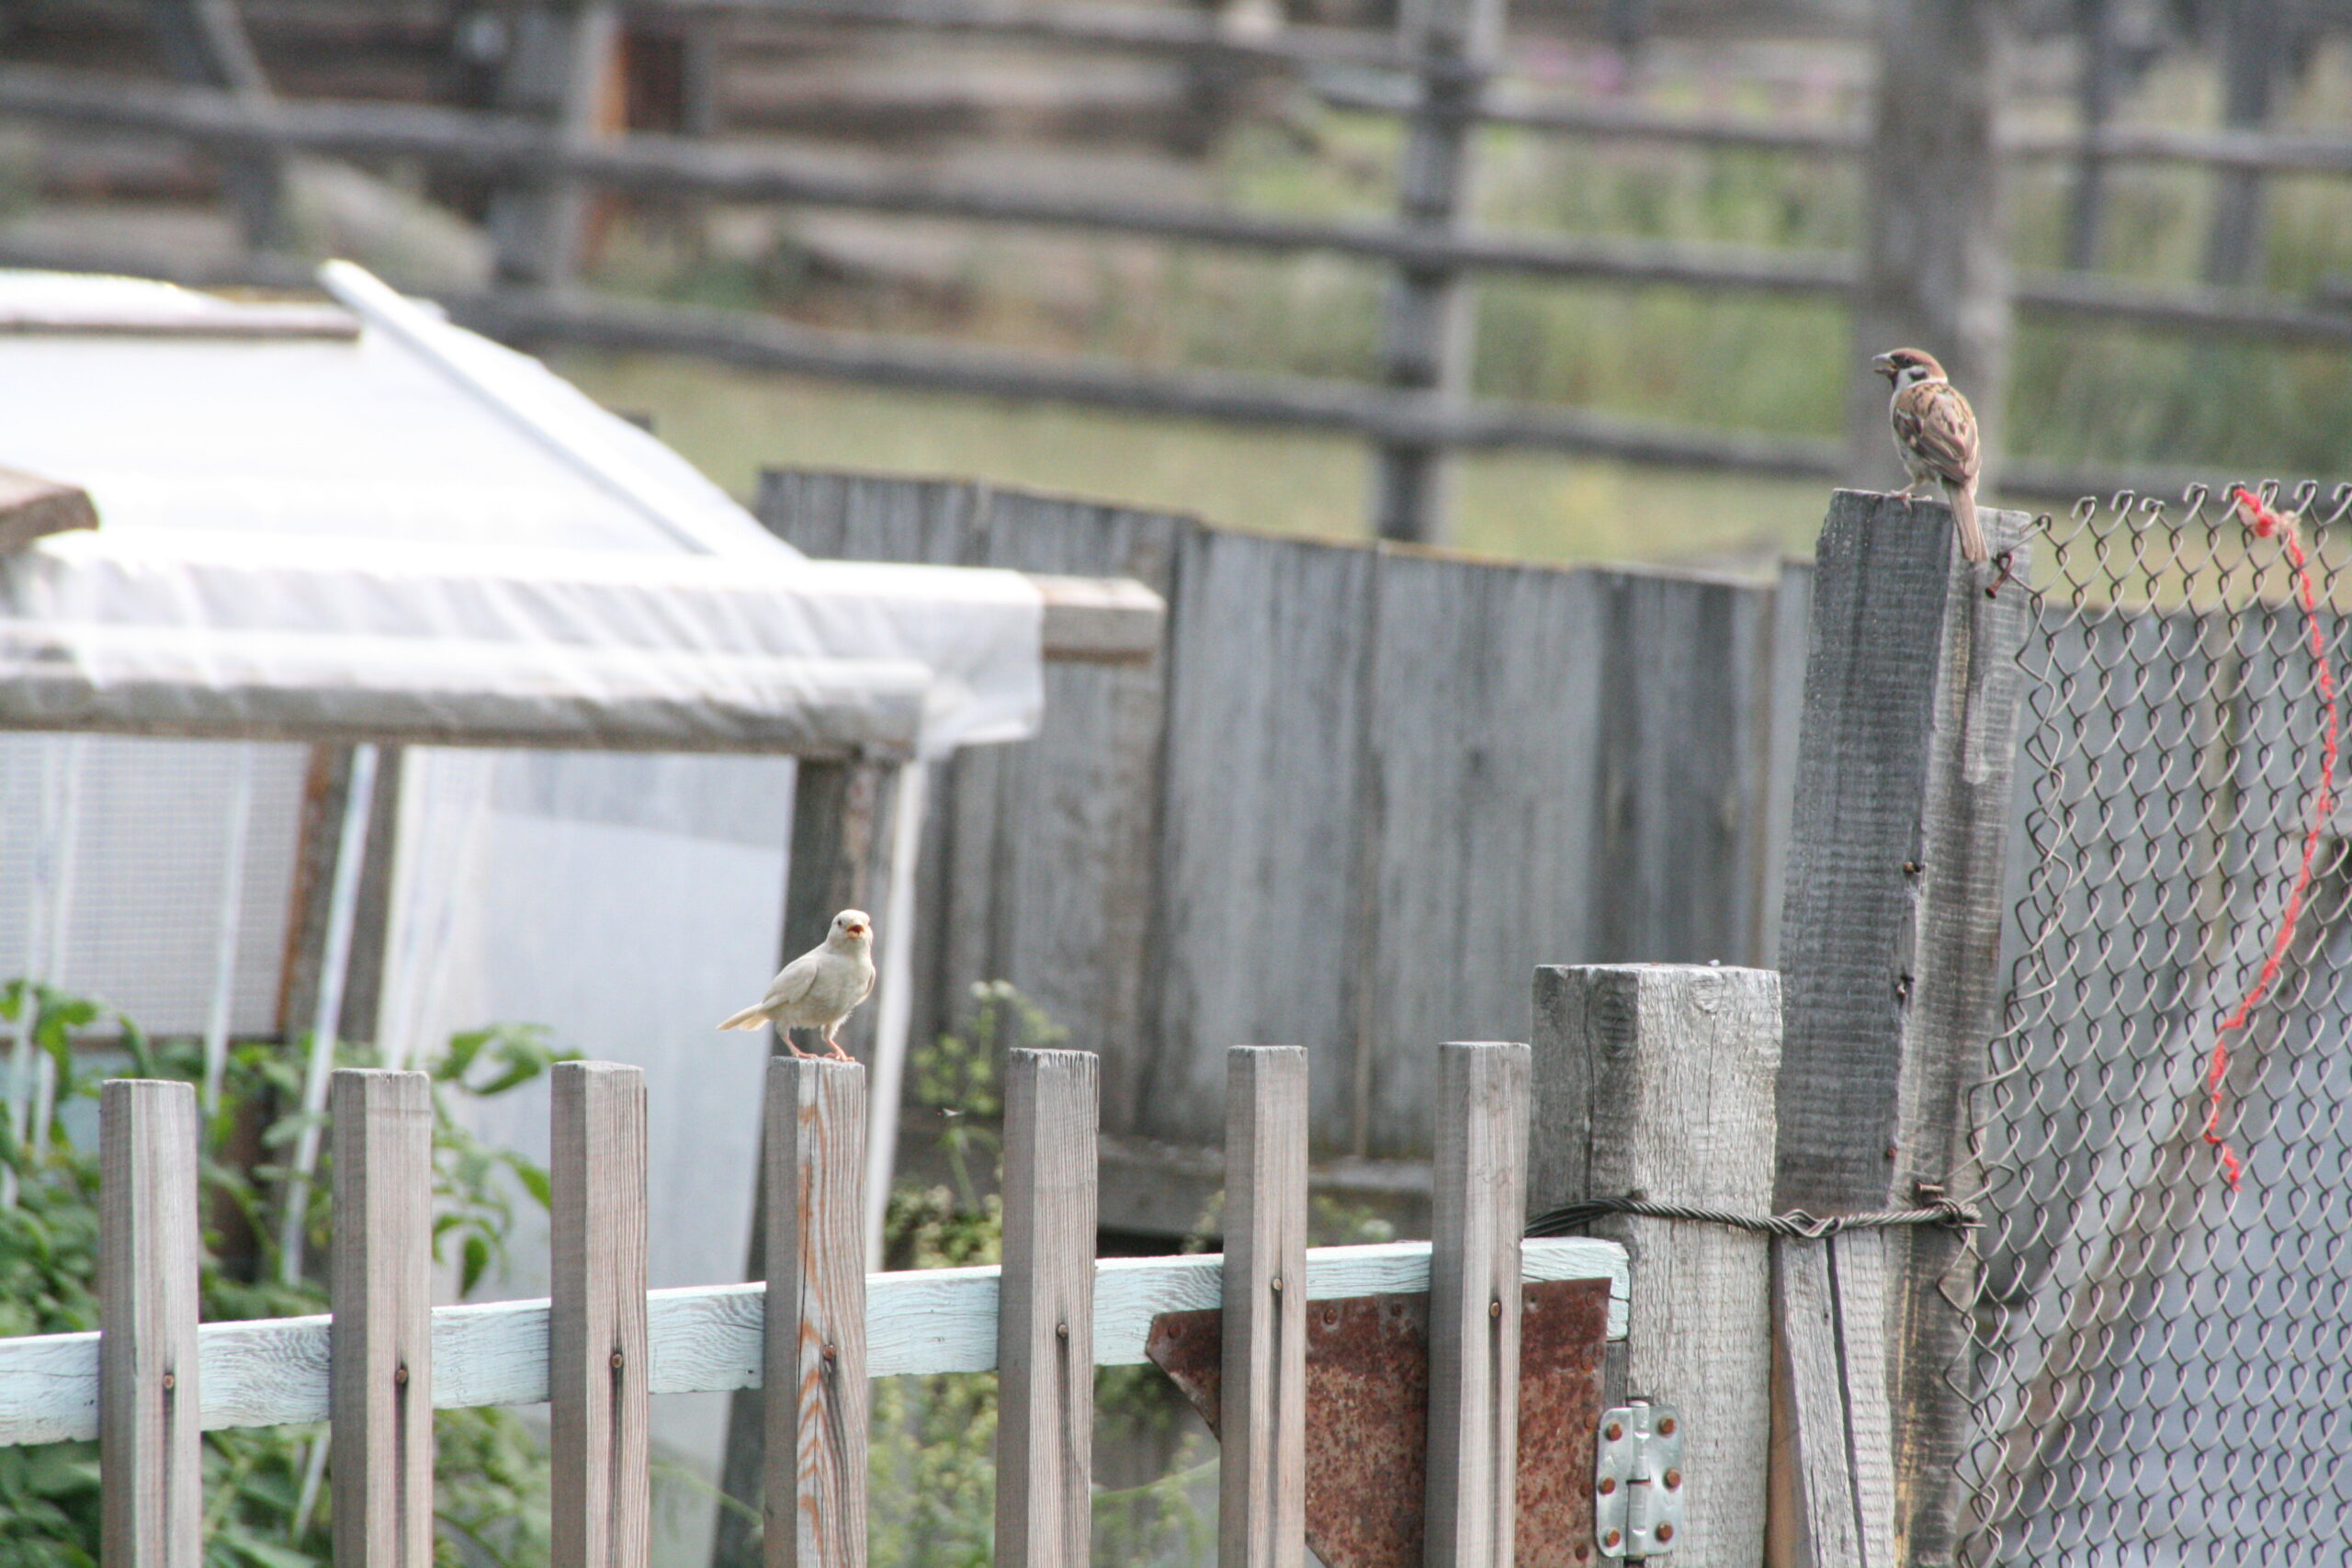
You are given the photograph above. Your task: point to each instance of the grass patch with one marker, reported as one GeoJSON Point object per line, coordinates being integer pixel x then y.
{"type": "Point", "coordinates": [731, 423]}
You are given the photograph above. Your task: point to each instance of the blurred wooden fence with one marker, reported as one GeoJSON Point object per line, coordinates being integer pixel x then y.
{"type": "Point", "coordinates": [1364, 791]}
{"type": "Point", "coordinates": [1443, 75]}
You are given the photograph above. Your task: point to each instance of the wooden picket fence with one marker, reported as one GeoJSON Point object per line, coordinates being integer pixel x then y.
{"type": "Point", "coordinates": [152, 1379]}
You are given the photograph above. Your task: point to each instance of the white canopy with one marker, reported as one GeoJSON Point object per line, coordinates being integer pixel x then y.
{"type": "Point", "coordinates": [360, 523]}
{"type": "Point", "coordinates": [369, 523]}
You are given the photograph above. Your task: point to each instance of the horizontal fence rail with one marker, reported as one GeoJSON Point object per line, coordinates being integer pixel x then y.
{"type": "Point", "coordinates": [2262, 152]}
{"type": "Point", "coordinates": [1183, 34]}
{"type": "Point", "coordinates": [706, 1338]}
{"type": "Point", "coordinates": [1123, 27]}
{"type": "Point", "coordinates": [1243, 397]}
{"type": "Point", "coordinates": [498, 145]}
{"type": "Point", "coordinates": [1224, 396]}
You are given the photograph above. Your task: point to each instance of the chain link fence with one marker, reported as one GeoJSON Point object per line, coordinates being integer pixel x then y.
{"type": "Point", "coordinates": [2163, 1366]}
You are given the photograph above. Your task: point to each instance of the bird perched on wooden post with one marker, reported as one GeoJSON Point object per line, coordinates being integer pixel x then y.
{"type": "Point", "coordinates": [820, 988]}
{"type": "Point", "coordinates": [1934, 434]}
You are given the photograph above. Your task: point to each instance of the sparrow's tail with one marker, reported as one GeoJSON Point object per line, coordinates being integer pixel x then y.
{"type": "Point", "coordinates": [1963, 519]}
{"type": "Point", "coordinates": [750, 1018]}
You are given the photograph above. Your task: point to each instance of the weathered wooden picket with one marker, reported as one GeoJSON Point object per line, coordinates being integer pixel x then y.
{"type": "Point", "coordinates": [152, 1379]}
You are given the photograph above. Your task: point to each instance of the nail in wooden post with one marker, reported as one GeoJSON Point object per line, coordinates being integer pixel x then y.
{"type": "Point", "coordinates": [1261, 1507]}
{"type": "Point", "coordinates": [1477, 1207]}
{"type": "Point", "coordinates": [1658, 1078]}
{"type": "Point", "coordinates": [597, 1362]}
{"type": "Point", "coordinates": [150, 1454]}
{"type": "Point", "coordinates": [1045, 1438]}
{"type": "Point", "coordinates": [816, 1410]}
{"type": "Point", "coordinates": [380, 1358]}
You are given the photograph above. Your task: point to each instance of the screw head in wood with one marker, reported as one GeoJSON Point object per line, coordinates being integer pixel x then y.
{"type": "Point", "coordinates": [171, 1381]}
{"type": "Point", "coordinates": [399, 1375]}
{"type": "Point", "coordinates": [1665, 1427]}
{"type": "Point", "coordinates": [1278, 1284]}
{"type": "Point", "coordinates": [1673, 1479]}
{"type": "Point", "coordinates": [1061, 1331]}
{"type": "Point", "coordinates": [619, 1360]}
{"type": "Point", "coordinates": [1663, 1532]}
{"type": "Point", "coordinates": [1494, 1308]}
{"type": "Point", "coordinates": [1608, 1485]}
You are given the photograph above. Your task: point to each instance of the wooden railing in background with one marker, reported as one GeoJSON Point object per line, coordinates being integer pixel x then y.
{"type": "Point", "coordinates": [1423, 408]}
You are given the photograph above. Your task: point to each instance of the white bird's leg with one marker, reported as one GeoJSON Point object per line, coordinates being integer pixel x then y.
{"type": "Point", "coordinates": [785, 1031]}
{"type": "Point", "coordinates": [837, 1053]}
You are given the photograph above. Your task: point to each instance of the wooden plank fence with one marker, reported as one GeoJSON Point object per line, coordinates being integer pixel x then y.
{"type": "Point", "coordinates": [1342, 750]}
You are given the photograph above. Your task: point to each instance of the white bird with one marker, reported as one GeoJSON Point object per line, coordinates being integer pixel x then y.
{"type": "Point", "coordinates": [820, 988]}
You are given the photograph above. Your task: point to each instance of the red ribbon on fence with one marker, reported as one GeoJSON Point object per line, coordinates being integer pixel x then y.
{"type": "Point", "coordinates": [2266, 524]}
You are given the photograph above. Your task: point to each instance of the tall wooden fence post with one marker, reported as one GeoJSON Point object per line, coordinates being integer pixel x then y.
{"type": "Point", "coordinates": [2257, 42]}
{"type": "Point", "coordinates": [204, 42]}
{"type": "Point", "coordinates": [1890, 949]}
{"type": "Point", "coordinates": [814, 1363]}
{"type": "Point", "coordinates": [1478, 1208]}
{"type": "Point", "coordinates": [1658, 1079]}
{"type": "Point", "coordinates": [1426, 325]}
{"type": "Point", "coordinates": [837, 860]}
{"type": "Point", "coordinates": [1935, 239]}
{"type": "Point", "coordinates": [1261, 1482]}
{"type": "Point", "coordinates": [560, 69]}
{"type": "Point", "coordinates": [1045, 1359]}
{"type": "Point", "coordinates": [597, 1360]}
{"type": "Point", "coordinates": [2098, 81]}
{"type": "Point", "coordinates": [380, 1360]}
{"type": "Point", "coordinates": [151, 1481]}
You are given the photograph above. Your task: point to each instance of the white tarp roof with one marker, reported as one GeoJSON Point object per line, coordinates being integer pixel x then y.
{"type": "Point", "coordinates": [407, 532]}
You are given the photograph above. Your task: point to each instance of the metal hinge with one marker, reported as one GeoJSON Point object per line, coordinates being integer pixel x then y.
{"type": "Point", "coordinates": [1637, 1481]}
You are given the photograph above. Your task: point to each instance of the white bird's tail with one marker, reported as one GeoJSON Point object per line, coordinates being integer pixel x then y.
{"type": "Point", "coordinates": [1963, 519]}
{"type": "Point", "coordinates": [750, 1018]}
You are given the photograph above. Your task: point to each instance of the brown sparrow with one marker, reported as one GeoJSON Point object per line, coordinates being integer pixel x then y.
{"type": "Point", "coordinates": [1934, 434]}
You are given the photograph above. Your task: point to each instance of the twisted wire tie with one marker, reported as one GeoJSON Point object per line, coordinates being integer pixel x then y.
{"type": "Point", "coordinates": [1796, 1224]}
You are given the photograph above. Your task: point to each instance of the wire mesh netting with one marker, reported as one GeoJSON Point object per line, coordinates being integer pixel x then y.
{"type": "Point", "coordinates": [2162, 1365]}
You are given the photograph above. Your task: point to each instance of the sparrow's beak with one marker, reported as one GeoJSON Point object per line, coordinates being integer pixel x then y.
{"type": "Point", "coordinates": [1884, 365]}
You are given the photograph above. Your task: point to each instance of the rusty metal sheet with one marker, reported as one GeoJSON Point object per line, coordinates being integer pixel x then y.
{"type": "Point", "coordinates": [1367, 1418]}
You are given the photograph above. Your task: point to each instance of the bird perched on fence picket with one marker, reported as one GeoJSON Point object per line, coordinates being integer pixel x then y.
{"type": "Point", "coordinates": [820, 988]}
{"type": "Point", "coordinates": [1934, 434]}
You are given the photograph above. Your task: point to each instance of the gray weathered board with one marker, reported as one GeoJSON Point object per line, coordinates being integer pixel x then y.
{"type": "Point", "coordinates": [1363, 793]}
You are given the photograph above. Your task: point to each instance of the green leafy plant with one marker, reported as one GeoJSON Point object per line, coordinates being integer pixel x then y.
{"type": "Point", "coordinates": [265, 1502]}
